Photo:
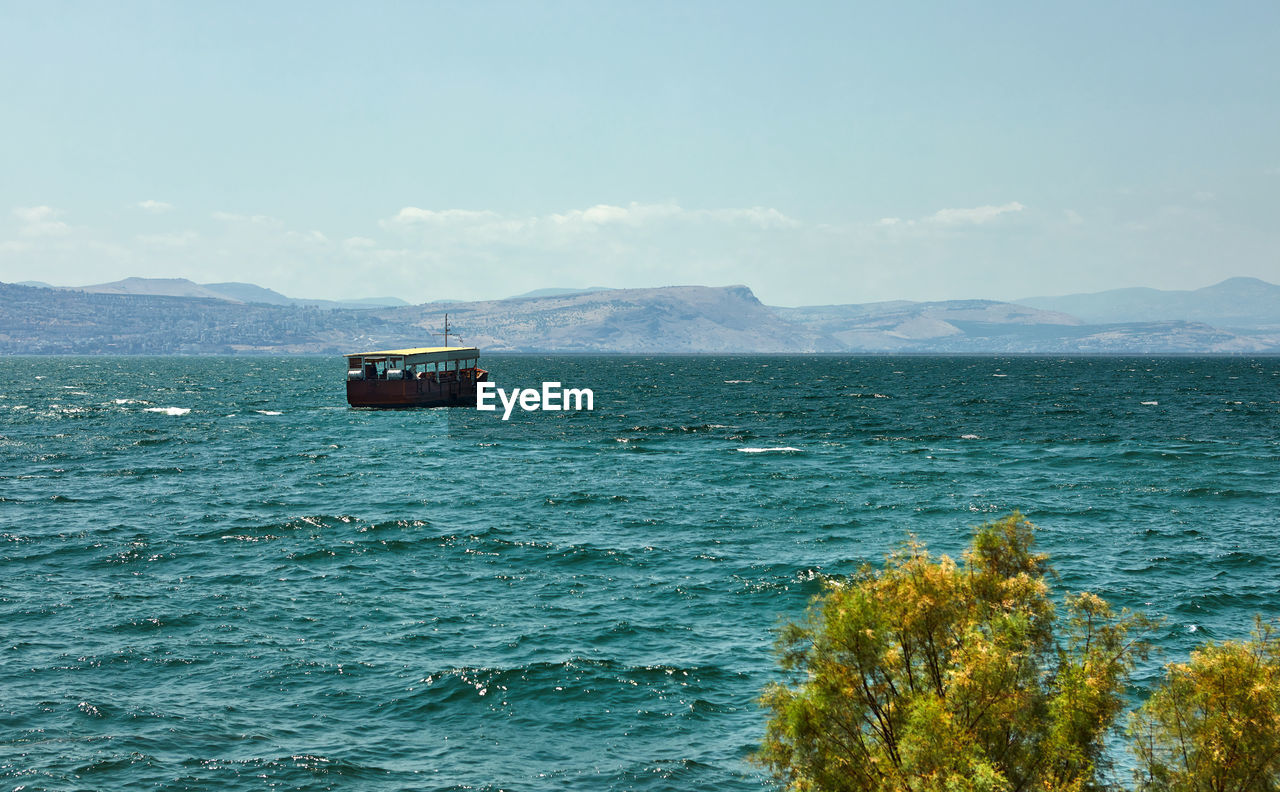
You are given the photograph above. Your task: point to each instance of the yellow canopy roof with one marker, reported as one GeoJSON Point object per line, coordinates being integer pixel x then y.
{"type": "Point", "coordinates": [421, 354]}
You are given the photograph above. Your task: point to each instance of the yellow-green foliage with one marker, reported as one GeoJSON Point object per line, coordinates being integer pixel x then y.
{"type": "Point", "coordinates": [1214, 724]}
{"type": "Point", "coordinates": [933, 675]}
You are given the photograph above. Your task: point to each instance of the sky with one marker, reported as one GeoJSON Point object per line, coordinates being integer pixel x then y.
{"type": "Point", "coordinates": [816, 152]}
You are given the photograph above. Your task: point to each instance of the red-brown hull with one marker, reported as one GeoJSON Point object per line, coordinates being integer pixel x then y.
{"type": "Point", "coordinates": [413, 392]}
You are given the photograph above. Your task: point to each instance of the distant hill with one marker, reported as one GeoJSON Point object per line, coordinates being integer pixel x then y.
{"type": "Point", "coordinates": [556, 292]}
{"type": "Point", "coordinates": [139, 316]}
{"type": "Point", "coordinates": [1241, 304]}
{"type": "Point", "coordinates": [233, 292]}
{"type": "Point", "coordinates": [680, 319]}
{"type": "Point", "coordinates": [987, 326]}
{"type": "Point", "coordinates": [903, 325]}
{"type": "Point", "coordinates": [69, 321]}
{"type": "Point", "coordinates": [247, 292]}
{"type": "Point", "coordinates": [156, 287]}
{"type": "Point", "coordinates": [674, 319]}
{"type": "Point", "coordinates": [696, 319]}
{"type": "Point", "coordinates": [373, 302]}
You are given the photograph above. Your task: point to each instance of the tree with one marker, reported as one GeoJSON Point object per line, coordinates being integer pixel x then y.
{"type": "Point", "coordinates": [932, 675]}
{"type": "Point", "coordinates": [1214, 723]}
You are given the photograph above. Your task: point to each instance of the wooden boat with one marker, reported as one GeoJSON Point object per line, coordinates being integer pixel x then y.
{"type": "Point", "coordinates": [421, 377]}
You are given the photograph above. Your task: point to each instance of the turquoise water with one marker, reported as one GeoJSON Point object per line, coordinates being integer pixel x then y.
{"type": "Point", "coordinates": [215, 575]}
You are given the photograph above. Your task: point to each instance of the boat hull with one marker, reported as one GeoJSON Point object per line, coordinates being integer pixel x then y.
{"type": "Point", "coordinates": [393, 394]}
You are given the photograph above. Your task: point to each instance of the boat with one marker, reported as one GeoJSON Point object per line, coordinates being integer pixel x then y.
{"type": "Point", "coordinates": [443, 376]}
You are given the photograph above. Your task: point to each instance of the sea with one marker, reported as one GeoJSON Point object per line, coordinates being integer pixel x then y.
{"type": "Point", "coordinates": [215, 575]}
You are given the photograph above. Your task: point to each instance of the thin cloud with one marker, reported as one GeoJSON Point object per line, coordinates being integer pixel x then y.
{"type": "Point", "coordinates": [260, 220]}
{"type": "Point", "coordinates": [359, 243]}
{"type": "Point", "coordinates": [412, 215]}
{"type": "Point", "coordinates": [954, 218]}
{"type": "Point", "coordinates": [312, 237]}
{"type": "Point", "coordinates": [155, 207]}
{"type": "Point", "coordinates": [590, 219]}
{"type": "Point", "coordinates": [604, 214]}
{"type": "Point", "coordinates": [40, 221]}
{"type": "Point", "coordinates": [171, 239]}
{"type": "Point", "coordinates": [975, 216]}
{"type": "Point", "coordinates": [637, 214]}
{"type": "Point", "coordinates": [759, 216]}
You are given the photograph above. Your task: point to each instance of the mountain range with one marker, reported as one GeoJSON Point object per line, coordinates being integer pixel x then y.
{"type": "Point", "coordinates": [232, 292]}
{"type": "Point", "coordinates": [1246, 304]}
{"type": "Point", "coordinates": [173, 315]}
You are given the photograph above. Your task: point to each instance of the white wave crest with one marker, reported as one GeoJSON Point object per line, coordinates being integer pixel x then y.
{"type": "Point", "coordinates": [169, 410]}
{"type": "Point", "coordinates": [269, 412]}
{"type": "Point", "coordinates": [766, 450]}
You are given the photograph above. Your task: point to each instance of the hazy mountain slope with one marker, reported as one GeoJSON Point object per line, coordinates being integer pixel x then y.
{"type": "Point", "coordinates": [678, 319]}
{"type": "Point", "coordinates": [372, 302]}
{"type": "Point", "coordinates": [670, 319]}
{"type": "Point", "coordinates": [156, 287]}
{"type": "Point", "coordinates": [232, 291]}
{"type": "Point", "coordinates": [903, 325]}
{"type": "Point", "coordinates": [986, 327]}
{"type": "Point", "coordinates": [1157, 338]}
{"type": "Point", "coordinates": [60, 321]}
{"type": "Point", "coordinates": [556, 292]}
{"type": "Point", "coordinates": [247, 292]}
{"type": "Point", "coordinates": [675, 319]}
{"type": "Point", "coordinates": [1235, 303]}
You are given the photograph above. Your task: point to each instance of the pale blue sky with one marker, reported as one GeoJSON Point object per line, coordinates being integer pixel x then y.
{"type": "Point", "coordinates": [815, 152]}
